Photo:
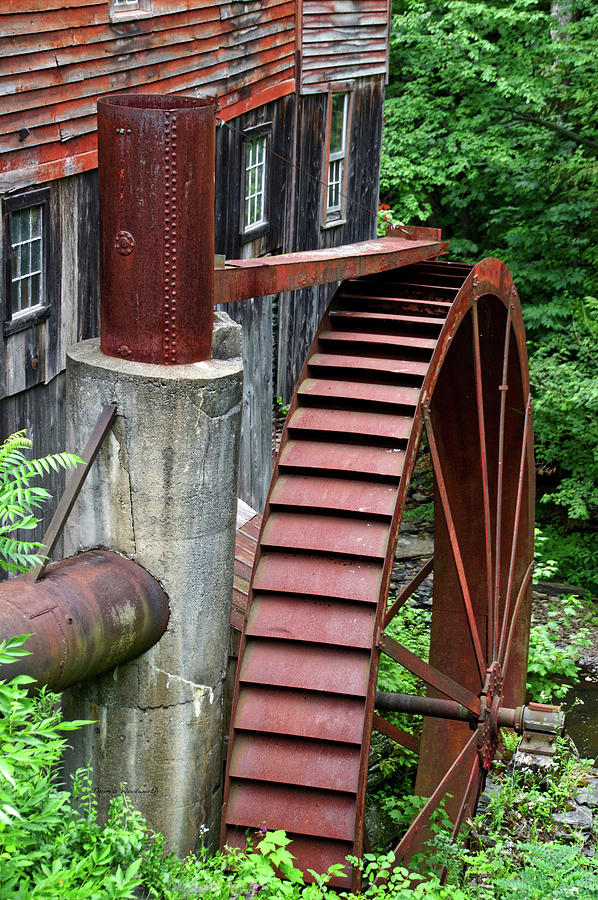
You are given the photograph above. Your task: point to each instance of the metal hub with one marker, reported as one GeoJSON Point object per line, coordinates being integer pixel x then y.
{"type": "Point", "coordinates": [488, 727]}
{"type": "Point", "coordinates": [539, 723]}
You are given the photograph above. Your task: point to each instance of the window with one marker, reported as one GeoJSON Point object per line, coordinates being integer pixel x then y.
{"type": "Point", "coordinates": [335, 190]}
{"type": "Point", "coordinates": [255, 216]}
{"type": "Point", "coordinates": [255, 182]}
{"type": "Point", "coordinates": [124, 10]}
{"type": "Point", "coordinates": [25, 252]}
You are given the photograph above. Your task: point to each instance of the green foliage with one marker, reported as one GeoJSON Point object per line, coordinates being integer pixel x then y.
{"type": "Point", "coordinates": [281, 409]}
{"type": "Point", "coordinates": [19, 498]}
{"type": "Point", "coordinates": [517, 848]}
{"type": "Point", "coordinates": [47, 849]}
{"type": "Point", "coordinates": [552, 664]}
{"type": "Point", "coordinates": [564, 376]}
{"type": "Point", "coordinates": [570, 556]}
{"type": "Point", "coordinates": [492, 133]}
{"type": "Point", "coordinates": [411, 627]}
{"type": "Point", "coordinates": [387, 218]}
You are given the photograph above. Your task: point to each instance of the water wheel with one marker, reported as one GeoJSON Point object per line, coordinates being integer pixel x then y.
{"type": "Point", "coordinates": [434, 346]}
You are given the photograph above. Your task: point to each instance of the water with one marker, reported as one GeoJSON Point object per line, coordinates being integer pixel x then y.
{"type": "Point", "coordinates": [582, 721]}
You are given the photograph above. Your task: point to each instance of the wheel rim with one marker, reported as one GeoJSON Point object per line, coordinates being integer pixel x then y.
{"type": "Point", "coordinates": [389, 357]}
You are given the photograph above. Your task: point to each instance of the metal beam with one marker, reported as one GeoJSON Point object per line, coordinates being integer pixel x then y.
{"type": "Point", "coordinates": [241, 279]}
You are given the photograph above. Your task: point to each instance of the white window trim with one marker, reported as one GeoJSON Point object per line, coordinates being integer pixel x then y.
{"type": "Point", "coordinates": [335, 214]}
{"type": "Point", "coordinates": [130, 10]}
{"type": "Point", "coordinates": [257, 136]}
{"type": "Point", "coordinates": [28, 315]}
{"type": "Point", "coordinates": [19, 278]}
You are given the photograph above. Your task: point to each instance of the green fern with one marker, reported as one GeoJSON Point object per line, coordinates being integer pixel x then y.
{"type": "Point", "coordinates": [19, 499]}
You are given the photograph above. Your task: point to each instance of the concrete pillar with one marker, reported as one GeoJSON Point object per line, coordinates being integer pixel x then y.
{"type": "Point", "coordinates": [163, 492]}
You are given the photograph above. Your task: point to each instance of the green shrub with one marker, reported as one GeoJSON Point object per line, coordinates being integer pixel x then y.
{"type": "Point", "coordinates": [552, 664]}
{"type": "Point", "coordinates": [19, 498]}
{"type": "Point", "coordinates": [47, 848]}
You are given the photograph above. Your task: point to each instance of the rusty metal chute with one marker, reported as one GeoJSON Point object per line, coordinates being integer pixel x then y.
{"type": "Point", "coordinates": [434, 345]}
{"type": "Point", "coordinates": [87, 615]}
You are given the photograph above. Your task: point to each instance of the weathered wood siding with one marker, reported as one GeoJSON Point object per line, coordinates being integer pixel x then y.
{"type": "Point", "coordinates": [36, 355]}
{"type": "Point", "coordinates": [58, 56]}
{"type": "Point", "coordinates": [32, 361]}
{"type": "Point", "coordinates": [257, 315]}
{"type": "Point", "coordinates": [342, 40]}
{"type": "Point", "coordinates": [41, 412]}
{"type": "Point", "coordinates": [300, 312]}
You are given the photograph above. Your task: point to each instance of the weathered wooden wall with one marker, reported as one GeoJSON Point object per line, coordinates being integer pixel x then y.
{"type": "Point", "coordinates": [36, 355]}
{"type": "Point", "coordinates": [341, 40]}
{"type": "Point", "coordinates": [32, 361]}
{"type": "Point", "coordinates": [300, 312]}
{"type": "Point", "coordinates": [256, 316]}
{"type": "Point", "coordinates": [58, 56]}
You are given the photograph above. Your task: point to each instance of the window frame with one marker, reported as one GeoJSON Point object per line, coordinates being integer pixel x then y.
{"type": "Point", "coordinates": [129, 10]}
{"type": "Point", "coordinates": [250, 135]}
{"type": "Point", "coordinates": [41, 311]}
{"type": "Point", "coordinates": [337, 215]}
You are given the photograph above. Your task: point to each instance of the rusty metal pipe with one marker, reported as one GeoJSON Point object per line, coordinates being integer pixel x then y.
{"type": "Point", "coordinates": [423, 706]}
{"type": "Point", "coordinates": [88, 614]}
{"type": "Point", "coordinates": [156, 180]}
{"type": "Point", "coordinates": [536, 717]}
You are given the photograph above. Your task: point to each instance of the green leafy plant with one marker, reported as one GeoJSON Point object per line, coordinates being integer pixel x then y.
{"type": "Point", "coordinates": [516, 845]}
{"type": "Point", "coordinates": [19, 498]}
{"type": "Point", "coordinates": [47, 848]}
{"type": "Point", "coordinates": [552, 663]}
{"type": "Point", "coordinates": [387, 218]}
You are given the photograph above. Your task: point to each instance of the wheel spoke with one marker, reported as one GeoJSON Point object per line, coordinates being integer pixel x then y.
{"type": "Point", "coordinates": [524, 445]}
{"type": "Point", "coordinates": [422, 818]}
{"type": "Point", "coordinates": [491, 647]}
{"type": "Point", "coordinates": [429, 674]}
{"type": "Point", "coordinates": [454, 544]}
{"type": "Point", "coordinates": [467, 804]}
{"type": "Point", "coordinates": [503, 653]}
{"type": "Point", "coordinates": [407, 591]}
{"type": "Point", "coordinates": [500, 473]}
{"type": "Point", "coordinates": [396, 734]}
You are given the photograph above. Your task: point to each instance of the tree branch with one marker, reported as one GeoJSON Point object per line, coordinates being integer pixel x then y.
{"type": "Point", "coordinates": [552, 126]}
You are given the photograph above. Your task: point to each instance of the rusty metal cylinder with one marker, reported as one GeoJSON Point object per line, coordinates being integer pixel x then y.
{"type": "Point", "coordinates": [156, 180]}
{"type": "Point", "coordinates": [87, 615]}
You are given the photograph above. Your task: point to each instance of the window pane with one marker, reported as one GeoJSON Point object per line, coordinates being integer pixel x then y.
{"type": "Point", "coordinates": [255, 181]}
{"type": "Point", "coordinates": [337, 123]}
{"type": "Point", "coordinates": [15, 226]}
{"type": "Point", "coordinates": [36, 294]}
{"type": "Point", "coordinates": [25, 258]}
{"type": "Point", "coordinates": [25, 298]}
{"type": "Point", "coordinates": [335, 172]}
{"type": "Point", "coordinates": [36, 256]}
{"type": "Point", "coordinates": [36, 221]}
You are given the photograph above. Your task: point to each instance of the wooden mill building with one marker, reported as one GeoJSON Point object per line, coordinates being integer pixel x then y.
{"type": "Point", "coordinates": [301, 88]}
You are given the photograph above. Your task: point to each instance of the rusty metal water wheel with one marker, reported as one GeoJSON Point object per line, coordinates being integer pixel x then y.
{"type": "Point", "coordinates": [434, 345]}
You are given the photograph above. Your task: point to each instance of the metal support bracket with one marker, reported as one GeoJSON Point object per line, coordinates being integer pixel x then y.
{"type": "Point", "coordinates": [73, 487]}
